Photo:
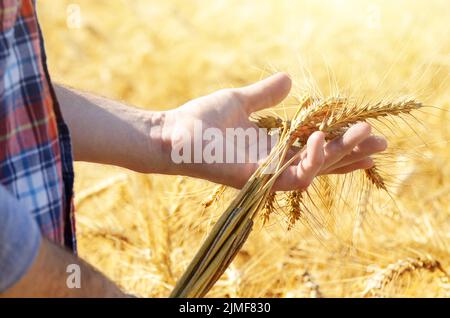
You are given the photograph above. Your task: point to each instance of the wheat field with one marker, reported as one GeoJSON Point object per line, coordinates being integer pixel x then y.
{"type": "Point", "coordinates": [143, 230]}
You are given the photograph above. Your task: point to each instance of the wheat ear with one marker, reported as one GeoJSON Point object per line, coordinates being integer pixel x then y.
{"type": "Point", "coordinates": [377, 282]}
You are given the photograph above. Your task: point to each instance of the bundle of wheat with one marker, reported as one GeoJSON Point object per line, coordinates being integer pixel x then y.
{"type": "Point", "coordinates": [333, 116]}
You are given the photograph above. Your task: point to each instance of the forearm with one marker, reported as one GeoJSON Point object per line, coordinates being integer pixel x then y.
{"type": "Point", "coordinates": [110, 132]}
{"type": "Point", "coordinates": [48, 277]}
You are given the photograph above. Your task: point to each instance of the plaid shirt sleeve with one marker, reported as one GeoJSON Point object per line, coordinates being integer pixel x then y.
{"type": "Point", "coordinates": [35, 150]}
{"type": "Point", "coordinates": [19, 240]}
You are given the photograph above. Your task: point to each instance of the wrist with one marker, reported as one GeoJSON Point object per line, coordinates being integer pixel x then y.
{"type": "Point", "coordinates": [158, 142]}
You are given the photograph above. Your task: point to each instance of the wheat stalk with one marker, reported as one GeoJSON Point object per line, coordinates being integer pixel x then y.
{"type": "Point", "coordinates": [214, 197]}
{"type": "Point", "coordinates": [269, 207]}
{"type": "Point", "coordinates": [373, 175]}
{"type": "Point", "coordinates": [332, 116]}
{"type": "Point", "coordinates": [377, 282]}
{"type": "Point", "coordinates": [268, 122]}
{"type": "Point", "coordinates": [306, 100]}
{"type": "Point", "coordinates": [294, 199]}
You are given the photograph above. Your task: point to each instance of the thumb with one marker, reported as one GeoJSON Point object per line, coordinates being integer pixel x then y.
{"type": "Point", "coordinates": [266, 93]}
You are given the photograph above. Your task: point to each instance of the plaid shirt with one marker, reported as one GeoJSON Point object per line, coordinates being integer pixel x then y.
{"type": "Point", "coordinates": [35, 151]}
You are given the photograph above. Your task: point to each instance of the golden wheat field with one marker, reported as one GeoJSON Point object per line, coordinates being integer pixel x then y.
{"type": "Point", "coordinates": [143, 230]}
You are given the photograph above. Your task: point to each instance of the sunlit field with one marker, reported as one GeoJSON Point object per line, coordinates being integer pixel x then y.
{"type": "Point", "coordinates": [143, 230]}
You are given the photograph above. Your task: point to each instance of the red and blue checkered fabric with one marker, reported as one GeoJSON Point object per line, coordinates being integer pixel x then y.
{"type": "Point", "coordinates": [35, 151]}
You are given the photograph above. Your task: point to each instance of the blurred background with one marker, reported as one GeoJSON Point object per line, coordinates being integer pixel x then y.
{"type": "Point", "coordinates": [143, 230]}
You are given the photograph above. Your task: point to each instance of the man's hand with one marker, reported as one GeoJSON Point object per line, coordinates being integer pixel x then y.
{"type": "Point", "coordinates": [231, 109]}
{"type": "Point", "coordinates": [110, 132]}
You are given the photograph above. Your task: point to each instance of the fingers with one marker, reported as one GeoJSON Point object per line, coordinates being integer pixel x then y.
{"type": "Point", "coordinates": [340, 147]}
{"type": "Point", "coordinates": [365, 163]}
{"type": "Point", "coordinates": [266, 93]}
{"type": "Point", "coordinates": [368, 147]}
{"type": "Point", "coordinates": [301, 176]}
{"type": "Point", "coordinates": [315, 156]}
{"type": "Point", "coordinates": [350, 152]}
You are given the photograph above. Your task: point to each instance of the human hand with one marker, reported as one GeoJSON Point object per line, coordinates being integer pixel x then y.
{"type": "Point", "coordinates": [230, 108]}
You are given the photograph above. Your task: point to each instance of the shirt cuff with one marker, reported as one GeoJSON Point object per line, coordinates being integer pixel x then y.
{"type": "Point", "coordinates": [20, 239]}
